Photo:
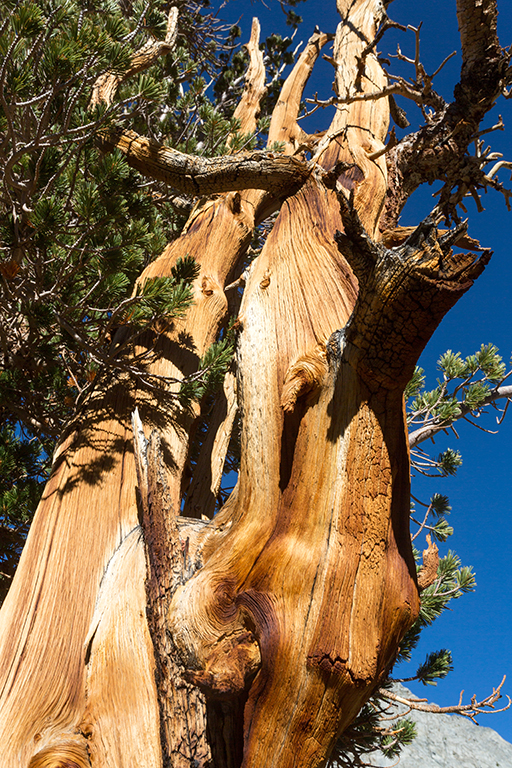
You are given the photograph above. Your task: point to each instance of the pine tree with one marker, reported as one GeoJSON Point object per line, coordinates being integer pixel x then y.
{"type": "Point", "coordinates": [149, 174]}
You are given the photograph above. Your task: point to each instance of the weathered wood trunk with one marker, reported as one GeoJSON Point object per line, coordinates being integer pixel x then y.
{"type": "Point", "coordinates": [306, 581]}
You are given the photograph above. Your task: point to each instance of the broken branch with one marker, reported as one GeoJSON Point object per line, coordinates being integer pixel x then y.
{"type": "Point", "coordinates": [467, 710]}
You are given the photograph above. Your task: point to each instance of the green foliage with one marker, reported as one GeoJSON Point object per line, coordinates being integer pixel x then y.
{"type": "Point", "coordinates": [437, 665]}
{"type": "Point", "coordinates": [278, 53]}
{"type": "Point", "coordinates": [452, 582]}
{"type": "Point", "coordinates": [449, 461]}
{"type": "Point", "coordinates": [160, 297]}
{"type": "Point", "coordinates": [440, 505]}
{"type": "Point", "coordinates": [211, 371]}
{"type": "Point", "coordinates": [76, 227]}
{"type": "Point", "coordinates": [416, 384]}
{"type": "Point", "coordinates": [452, 365]}
{"type": "Point", "coordinates": [404, 731]}
{"type": "Point", "coordinates": [466, 387]}
{"type": "Point", "coordinates": [373, 729]}
{"type": "Point", "coordinates": [442, 530]}
{"type": "Point", "coordinates": [24, 468]}
{"type": "Point", "coordinates": [473, 378]}
{"type": "Point", "coordinates": [434, 520]}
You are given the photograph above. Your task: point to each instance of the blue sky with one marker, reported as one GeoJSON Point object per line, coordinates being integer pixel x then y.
{"type": "Point", "coordinates": [479, 628]}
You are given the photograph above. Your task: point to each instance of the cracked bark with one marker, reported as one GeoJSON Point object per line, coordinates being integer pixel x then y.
{"type": "Point", "coordinates": [203, 176]}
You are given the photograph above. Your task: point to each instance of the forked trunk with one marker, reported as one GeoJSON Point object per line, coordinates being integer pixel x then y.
{"type": "Point", "coordinates": [304, 582]}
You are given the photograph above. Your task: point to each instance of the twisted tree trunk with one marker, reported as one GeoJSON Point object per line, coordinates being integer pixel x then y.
{"type": "Point", "coordinates": [272, 624]}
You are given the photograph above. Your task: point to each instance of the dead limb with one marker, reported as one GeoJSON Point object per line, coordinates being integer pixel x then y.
{"type": "Point", "coordinates": [439, 150]}
{"type": "Point", "coordinates": [249, 105]}
{"type": "Point", "coordinates": [203, 176]}
{"type": "Point", "coordinates": [485, 706]}
{"type": "Point", "coordinates": [106, 85]}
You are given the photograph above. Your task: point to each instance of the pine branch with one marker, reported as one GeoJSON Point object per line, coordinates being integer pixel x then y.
{"type": "Point", "coordinates": [106, 85]}
{"type": "Point", "coordinates": [438, 425]}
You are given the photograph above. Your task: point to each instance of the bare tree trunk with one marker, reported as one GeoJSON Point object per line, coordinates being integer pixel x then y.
{"type": "Point", "coordinates": [304, 582]}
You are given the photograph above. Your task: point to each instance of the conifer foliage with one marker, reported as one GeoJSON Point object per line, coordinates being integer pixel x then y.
{"type": "Point", "coordinates": [78, 226]}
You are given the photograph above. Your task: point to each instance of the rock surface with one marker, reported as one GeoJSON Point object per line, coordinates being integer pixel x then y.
{"type": "Point", "coordinates": [448, 741]}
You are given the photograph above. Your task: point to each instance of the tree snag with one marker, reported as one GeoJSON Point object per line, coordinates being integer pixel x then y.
{"type": "Point", "coordinates": [273, 623]}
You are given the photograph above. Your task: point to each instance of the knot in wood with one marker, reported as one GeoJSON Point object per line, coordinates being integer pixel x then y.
{"type": "Point", "coordinates": [208, 285]}
{"type": "Point", "coordinates": [265, 282]}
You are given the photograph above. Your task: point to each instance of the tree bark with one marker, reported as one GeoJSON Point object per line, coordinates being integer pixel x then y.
{"type": "Point", "coordinates": [203, 176]}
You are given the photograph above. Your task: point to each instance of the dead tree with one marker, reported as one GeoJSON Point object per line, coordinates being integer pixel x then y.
{"type": "Point", "coordinates": [254, 639]}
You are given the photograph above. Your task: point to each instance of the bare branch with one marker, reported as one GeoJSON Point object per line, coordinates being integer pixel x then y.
{"type": "Point", "coordinates": [400, 88]}
{"type": "Point", "coordinates": [494, 170]}
{"type": "Point", "coordinates": [499, 126]}
{"type": "Point", "coordinates": [249, 105]}
{"type": "Point", "coordinates": [418, 90]}
{"type": "Point", "coordinates": [392, 142]}
{"type": "Point", "coordinates": [283, 126]}
{"type": "Point", "coordinates": [206, 176]}
{"type": "Point", "coordinates": [423, 523]}
{"type": "Point", "coordinates": [106, 85]}
{"type": "Point", "coordinates": [467, 710]}
{"type": "Point", "coordinates": [440, 148]}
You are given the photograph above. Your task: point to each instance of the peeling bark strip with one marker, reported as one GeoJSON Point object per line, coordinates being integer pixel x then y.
{"type": "Point", "coordinates": [182, 707]}
{"type": "Point", "coordinates": [206, 176]}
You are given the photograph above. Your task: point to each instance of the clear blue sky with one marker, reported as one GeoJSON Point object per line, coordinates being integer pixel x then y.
{"type": "Point", "coordinates": [478, 630]}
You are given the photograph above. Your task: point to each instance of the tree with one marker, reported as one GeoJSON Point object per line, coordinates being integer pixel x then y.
{"type": "Point", "coordinates": [271, 624]}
